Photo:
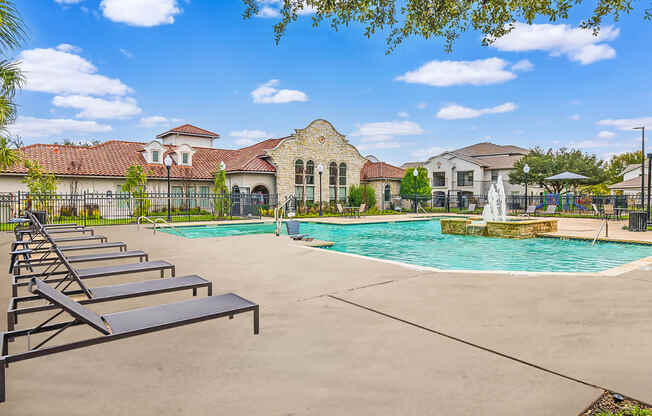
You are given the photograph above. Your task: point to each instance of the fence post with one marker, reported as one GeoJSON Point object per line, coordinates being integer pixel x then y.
{"type": "Point", "coordinates": [84, 208]}
{"type": "Point", "coordinates": [18, 213]}
{"type": "Point", "coordinates": [448, 200]}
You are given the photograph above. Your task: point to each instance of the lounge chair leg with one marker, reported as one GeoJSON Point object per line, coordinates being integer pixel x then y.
{"type": "Point", "coordinates": [3, 395]}
{"type": "Point", "coordinates": [14, 290]}
{"type": "Point", "coordinates": [146, 257]}
{"type": "Point", "coordinates": [174, 271]}
{"type": "Point", "coordinates": [256, 323]}
{"type": "Point", "coordinates": [230, 316]}
{"type": "Point", "coordinates": [162, 273]}
{"type": "Point", "coordinates": [210, 289]}
{"type": "Point", "coordinates": [194, 291]}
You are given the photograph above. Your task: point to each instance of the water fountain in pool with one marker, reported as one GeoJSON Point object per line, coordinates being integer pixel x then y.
{"type": "Point", "coordinates": [496, 208]}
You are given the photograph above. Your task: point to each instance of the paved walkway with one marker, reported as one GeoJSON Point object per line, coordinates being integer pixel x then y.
{"type": "Point", "coordinates": [348, 335]}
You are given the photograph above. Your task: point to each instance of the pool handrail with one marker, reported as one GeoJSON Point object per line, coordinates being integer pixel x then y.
{"type": "Point", "coordinates": [158, 221]}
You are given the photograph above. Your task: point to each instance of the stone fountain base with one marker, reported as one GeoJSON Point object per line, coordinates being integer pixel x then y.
{"type": "Point", "coordinates": [509, 229]}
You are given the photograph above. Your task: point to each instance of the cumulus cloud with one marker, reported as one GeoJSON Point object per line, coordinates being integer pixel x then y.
{"type": "Point", "coordinates": [61, 72]}
{"type": "Point", "coordinates": [627, 123]}
{"type": "Point", "coordinates": [269, 94]}
{"type": "Point", "coordinates": [145, 13]}
{"type": "Point", "coordinates": [33, 127]}
{"type": "Point", "coordinates": [446, 73]}
{"type": "Point", "coordinates": [66, 47]}
{"type": "Point", "coordinates": [153, 121]}
{"type": "Point", "coordinates": [98, 108]}
{"type": "Point", "coordinates": [455, 112]}
{"type": "Point", "coordinates": [523, 65]}
{"type": "Point", "coordinates": [579, 45]}
{"type": "Point", "coordinates": [385, 130]}
{"type": "Point", "coordinates": [606, 134]}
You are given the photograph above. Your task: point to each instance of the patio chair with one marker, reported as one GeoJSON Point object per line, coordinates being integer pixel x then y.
{"type": "Point", "coordinates": [293, 229]}
{"type": "Point", "coordinates": [115, 326]}
{"type": "Point", "coordinates": [340, 209]}
{"type": "Point", "coordinates": [106, 293]}
{"type": "Point", "coordinates": [363, 208]}
{"type": "Point", "coordinates": [595, 210]}
{"type": "Point", "coordinates": [471, 208]}
{"type": "Point", "coordinates": [530, 211]}
{"type": "Point", "coordinates": [609, 211]}
{"type": "Point", "coordinates": [550, 210]}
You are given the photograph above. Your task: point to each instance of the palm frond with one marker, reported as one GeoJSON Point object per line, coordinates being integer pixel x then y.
{"type": "Point", "coordinates": [12, 27]}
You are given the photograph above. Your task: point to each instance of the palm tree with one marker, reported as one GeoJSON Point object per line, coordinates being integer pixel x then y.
{"type": "Point", "coordinates": [12, 35]}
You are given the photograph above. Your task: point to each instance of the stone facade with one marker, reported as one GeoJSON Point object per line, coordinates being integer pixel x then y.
{"type": "Point", "coordinates": [510, 229]}
{"type": "Point", "coordinates": [379, 189]}
{"type": "Point", "coordinates": [322, 144]}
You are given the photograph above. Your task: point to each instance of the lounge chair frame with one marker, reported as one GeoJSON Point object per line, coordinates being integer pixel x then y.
{"type": "Point", "coordinates": [80, 317]}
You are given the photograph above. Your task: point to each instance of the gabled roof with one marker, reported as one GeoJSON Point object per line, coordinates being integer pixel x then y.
{"type": "Point", "coordinates": [490, 149]}
{"type": "Point", "coordinates": [630, 183]}
{"type": "Point", "coordinates": [380, 170]}
{"type": "Point", "coordinates": [190, 130]}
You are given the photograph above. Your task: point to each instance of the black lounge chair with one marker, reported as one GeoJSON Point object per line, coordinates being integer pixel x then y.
{"type": "Point", "coordinates": [31, 231]}
{"type": "Point", "coordinates": [26, 253]}
{"type": "Point", "coordinates": [293, 229]}
{"type": "Point", "coordinates": [46, 260]}
{"type": "Point", "coordinates": [115, 326]}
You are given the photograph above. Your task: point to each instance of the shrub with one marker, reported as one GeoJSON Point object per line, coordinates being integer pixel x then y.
{"type": "Point", "coordinates": [362, 194]}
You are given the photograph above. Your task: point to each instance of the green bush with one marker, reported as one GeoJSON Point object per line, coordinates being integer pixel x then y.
{"type": "Point", "coordinates": [362, 194]}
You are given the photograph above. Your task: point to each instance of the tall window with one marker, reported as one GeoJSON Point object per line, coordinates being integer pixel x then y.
{"type": "Point", "coordinates": [494, 176]}
{"type": "Point", "coordinates": [310, 180]}
{"type": "Point", "coordinates": [298, 179]}
{"type": "Point", "coordinates": [438, 178]}
{"type": "Point", "coordinates": [332, 181]}
{"type": "Point", "coordinates": [388, 193]}
{"type": "Point", "coordinates": [341, 195]}
{"type": "Point", "coordinates": [465, 178]}
{"type": "Point", "coordinates": [155, 156]}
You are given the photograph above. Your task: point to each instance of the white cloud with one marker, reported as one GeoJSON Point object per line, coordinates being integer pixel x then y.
{"type": "Point", "coordinates": [68, 1]}
{"type": "Point", "coordinates": [66, 47]}
{"type": "Point", "coordinates": [126, 53]}
{"type": "Point", "coordinates": [385, 131]}
{"type": "Point", "coordinates": [32, 127]}
{"type": "Point", "coordinates": [379, 145]}
{"type": "Point", "coordinates": [145, 13]}
{"type": "Point", "coordinates": [58, 72]}
{"type": "Point", "coordinates": [267, 11]}
{"type": "Point", "coordinates": [590, 144]}
{"type": "Point", "coordinates": [271, 8]}
{"type": "Point", "coordinates": [455, 112]}
{"type": "Point", "coordinates": [98, 108]}
{"type": "Point", "coordinates": [577, 44]}
{"type": "Point", "coordinates": [627, 123]}
{"type": "Point", "coordinates": [575, 117]}
{"type": "Point", "coordinates": [605, 134]}
{"type": "Point", "coordinates": [250, 134]}
{"type": "Point", "coordinates": [153, 121]}
{"type": "Point", "coordinates": [446, 73]}
{"type": "Point", "coordinates": [403, 114]}
{"type": "Point", "coordinates": [428, 152]}
{"type": "Point", "coordinates": [269, 94]}
{"type": "Point", "coordinates": [523, 65]}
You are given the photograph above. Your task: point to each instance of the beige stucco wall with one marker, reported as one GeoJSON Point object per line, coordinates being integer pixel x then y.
{"type": "Point", "coordinates": [251, 180]}
{"type": "Point", "coordinates": [379, 189]}
{"type": "Point", "coordinates": [306, 145]}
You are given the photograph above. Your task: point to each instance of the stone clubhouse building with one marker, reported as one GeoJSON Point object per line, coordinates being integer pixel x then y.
{"type": "Point", "coordinates": [284, 166]}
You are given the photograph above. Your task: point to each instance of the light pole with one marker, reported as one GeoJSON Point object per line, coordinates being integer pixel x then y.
{"type": "Point", "coordinates": [222, 207]}
{"type": "Point", "coordinates": [168, 164]}
{"type": "Point", "coordinates": [320, 169]}
{"type": "Point", "coordinates": [649, 184]}
{"type": "Point", "coordinates": [415, 173]}
{"type": "Point", "coordinates": [642, 129]}
{"type": "Point", "coordinates": [526, 170]}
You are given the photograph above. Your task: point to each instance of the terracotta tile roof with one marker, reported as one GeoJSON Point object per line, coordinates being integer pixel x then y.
{"type": "Point", "coordinates": [113, 158]}
{"type": "Point", "coordinates": [490, 149]}
{"type": "Point", "coordinates": [380, 170]}
{"type": "Point", "coordinates": [190, 130]}
{"type": "Point", "coordinates": [630, 183]}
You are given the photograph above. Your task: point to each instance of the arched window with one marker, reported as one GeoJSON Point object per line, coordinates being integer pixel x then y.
{"type": "Point", "coordinates": [332, 181]}
{"type": "Point", "coordinates": [310, 181]}
{"type": "Point", "coordinates": [298, 179]}
{"type": "Point", "coordinates": [341, 194]}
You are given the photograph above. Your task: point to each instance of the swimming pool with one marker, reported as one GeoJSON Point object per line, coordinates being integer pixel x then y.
{"type": "Point", "coordinates": [422, 243]}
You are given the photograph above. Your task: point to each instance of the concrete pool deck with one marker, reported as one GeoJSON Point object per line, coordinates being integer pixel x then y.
{"type": "Point", "coordinates": [348, 335]}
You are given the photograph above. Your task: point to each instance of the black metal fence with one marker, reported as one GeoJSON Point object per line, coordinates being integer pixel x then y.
{"type": "Point", "coordinates": [107, 209]}
{"type": "Point", "coordinates": [566, 204]}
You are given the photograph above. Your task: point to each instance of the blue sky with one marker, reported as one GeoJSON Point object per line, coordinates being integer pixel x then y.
{"type": "Point", "coordinates": [129, 69]}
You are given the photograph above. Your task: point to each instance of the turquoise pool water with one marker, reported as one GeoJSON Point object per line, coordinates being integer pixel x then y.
{"type": "Point", "coordinates": [422, 243]}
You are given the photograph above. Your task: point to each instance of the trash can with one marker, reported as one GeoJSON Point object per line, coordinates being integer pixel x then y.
{"type": "Point", "coordinates": [41, 216]}
{"type": "Point", "coordinates": [638, 221]}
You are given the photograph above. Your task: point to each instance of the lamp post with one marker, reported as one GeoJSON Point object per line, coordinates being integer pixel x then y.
{"type": "Point", "coordinates": [649, 184]}
{"type": "Point", "coordinates": [415, 173]}
{"type": "Point", "coordinates": [168, 164]}
{"type": "Point", "coordinates": [222, 209]}
{"type": "Point", "coordinates": [526, 170]}
{"type": "Point", "coordinates": [642, 129]}
{"type": "Point", "coordinates": [320, 169]}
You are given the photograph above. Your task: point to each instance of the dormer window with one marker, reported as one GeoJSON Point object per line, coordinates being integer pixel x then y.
{"type": "Point", "coordinates": [153, 151]}
{"type": "Point", "coordinates": [184, 154]}
{"type": "Point", "coordinates": [155, 156]}
{"type": "Point", "coordinates": [184, 158]}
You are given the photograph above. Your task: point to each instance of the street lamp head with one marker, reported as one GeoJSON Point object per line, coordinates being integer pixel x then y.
{"type": "Point", "coordinates": [320, 168]}
{"type": "Point", "coordinates": [415, 172]}
{"type": "Point", "coordinates": [167, 161]}
{"type": "Point", "coordinates": [222, 165]}
{"type": "Point", "coordinates": [526, 169]}
{"type": "Point", "coordinates": [639, 128]}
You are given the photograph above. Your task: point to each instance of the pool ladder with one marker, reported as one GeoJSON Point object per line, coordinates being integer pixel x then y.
{"type": "Point", "coordinates": [278, 212]}
{"type": "Point", "coordinates": [157, 221]}
{"type": "Point", "coordinates": [602, 225]}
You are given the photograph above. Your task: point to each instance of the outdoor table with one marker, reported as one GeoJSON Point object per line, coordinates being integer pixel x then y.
{"type": "Point", "coordinates": [353, 210]}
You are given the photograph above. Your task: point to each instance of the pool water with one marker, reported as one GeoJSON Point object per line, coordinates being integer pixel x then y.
{"type": "Point", "coordinates": [422, 243]}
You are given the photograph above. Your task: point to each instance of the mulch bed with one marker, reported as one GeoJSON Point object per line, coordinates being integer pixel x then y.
{"type": "Point", "coordinates": [614, 403]}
